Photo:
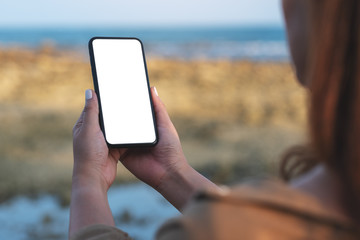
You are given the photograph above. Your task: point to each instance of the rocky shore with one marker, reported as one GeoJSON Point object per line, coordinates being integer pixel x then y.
{"type": "Point", "coordinates": [235, 118]}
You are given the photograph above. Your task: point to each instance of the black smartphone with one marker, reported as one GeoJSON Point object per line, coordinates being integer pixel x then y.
{"type": "Point", "coordinates": [121, 83]}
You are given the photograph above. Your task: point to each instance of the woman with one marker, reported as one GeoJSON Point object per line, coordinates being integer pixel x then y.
{"type": "Point", "coordinates": [323, 202]}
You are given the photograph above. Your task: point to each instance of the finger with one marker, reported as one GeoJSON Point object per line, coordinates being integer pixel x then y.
{"type": "Point", "coordinates": [123, 154]}
{"type": "Point", "coordinates": [78, 123]}
{"type": "Point", "coordinates": [91, 110]}
{"type": "Point", "coordinates": [162, 117]}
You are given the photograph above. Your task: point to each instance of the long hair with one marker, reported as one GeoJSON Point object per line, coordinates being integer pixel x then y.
{"type": "Point", "coordinates": [333, 77]}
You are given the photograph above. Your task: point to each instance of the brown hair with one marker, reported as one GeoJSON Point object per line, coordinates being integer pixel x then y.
{"type": "Point", "coordinates": [333, 77]}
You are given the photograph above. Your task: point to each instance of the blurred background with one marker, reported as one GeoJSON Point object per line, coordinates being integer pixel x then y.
{"type": "Point", "coordinates": [221, 67]}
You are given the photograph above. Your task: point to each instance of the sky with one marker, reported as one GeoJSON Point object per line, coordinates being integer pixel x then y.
{"type": "Point", "coordinates": [39, 13]}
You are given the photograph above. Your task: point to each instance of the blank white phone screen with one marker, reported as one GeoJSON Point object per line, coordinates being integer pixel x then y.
{"type": "Point", "coordinates": [124, 93]}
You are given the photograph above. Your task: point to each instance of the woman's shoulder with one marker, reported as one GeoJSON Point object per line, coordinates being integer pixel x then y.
{"type": "Point", "coordinates": [258, 208]}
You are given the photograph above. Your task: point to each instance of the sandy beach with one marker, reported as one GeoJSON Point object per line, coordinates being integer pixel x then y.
{"type": "Point", "coordinates": [235, 118]}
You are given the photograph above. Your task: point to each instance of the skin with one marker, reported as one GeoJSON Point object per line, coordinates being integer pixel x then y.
{"type": "Point", "coordinates": [164, 167]}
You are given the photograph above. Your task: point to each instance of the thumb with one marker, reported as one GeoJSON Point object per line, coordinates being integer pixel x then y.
{"type": "Point", "coordinates": [91, 110]}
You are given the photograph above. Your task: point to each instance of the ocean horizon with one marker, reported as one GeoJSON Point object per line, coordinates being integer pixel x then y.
{"type": "Point", "coordinates": [259, 43]}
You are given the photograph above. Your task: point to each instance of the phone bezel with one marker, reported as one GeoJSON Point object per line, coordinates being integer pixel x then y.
{"type": "Point", "coordinates": [96, 87]}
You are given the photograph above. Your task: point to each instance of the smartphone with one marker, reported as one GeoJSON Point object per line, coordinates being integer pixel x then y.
{"type": "Point", "coordinates": [121, 83]}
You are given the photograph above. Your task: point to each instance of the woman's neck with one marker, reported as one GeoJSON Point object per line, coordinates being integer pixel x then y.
{"type": "Point", "coordinates": [324, 185]}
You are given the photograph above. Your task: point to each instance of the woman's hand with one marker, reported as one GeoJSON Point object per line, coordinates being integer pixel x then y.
{"type": "Point", "coordinates": [164, 166]}
{"type": "Point", "coordinates": [93, 160]}
{"type": "Point", "coordinates": [94, 170]}
{"type": "Point", "coordinates": [154, 164]}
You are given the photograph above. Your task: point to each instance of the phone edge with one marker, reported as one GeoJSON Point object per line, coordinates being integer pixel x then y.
{"type": "Point", "coordinates": [96, 88]}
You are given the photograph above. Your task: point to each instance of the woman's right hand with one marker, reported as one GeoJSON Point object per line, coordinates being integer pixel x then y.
{"type": "Point", "coordinates": [164, 167]}
{"type": "Point", "coordinates": [151, 165]}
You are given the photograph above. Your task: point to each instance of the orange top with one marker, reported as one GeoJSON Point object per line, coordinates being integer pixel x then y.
{"type": "Point", "coordinates": [259, 210]}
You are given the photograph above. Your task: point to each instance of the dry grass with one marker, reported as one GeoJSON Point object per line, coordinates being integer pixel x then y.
{"type": "Point", "coordinates": [234, 118]}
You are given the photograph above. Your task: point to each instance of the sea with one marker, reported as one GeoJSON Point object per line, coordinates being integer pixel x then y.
{"type": "Point", "coordinates": [258, 43]}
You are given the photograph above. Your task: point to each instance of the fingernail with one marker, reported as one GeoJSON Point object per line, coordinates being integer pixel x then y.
{"type": "Point", "coordinates": [156, 91]}
{"type": "Point", "coordinates": [88, 94]}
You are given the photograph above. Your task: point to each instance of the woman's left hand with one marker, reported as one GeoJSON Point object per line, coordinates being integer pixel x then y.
{"type": "Point", "coordinates": [93, 160]}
